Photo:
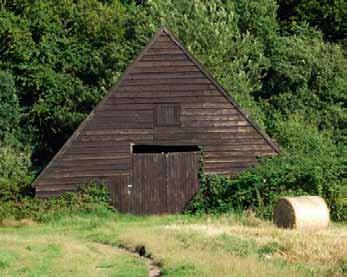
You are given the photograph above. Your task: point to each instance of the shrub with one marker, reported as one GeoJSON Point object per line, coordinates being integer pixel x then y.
{"type": "Point", "coordinates": [214, 195]}
{"type": "Point", "coordinates": [15, 174]}
{"type": "Point", "coordinates": [89, 198]}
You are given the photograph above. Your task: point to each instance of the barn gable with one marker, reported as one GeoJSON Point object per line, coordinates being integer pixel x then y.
{"type": "Point", "coordinates": [165, 97]}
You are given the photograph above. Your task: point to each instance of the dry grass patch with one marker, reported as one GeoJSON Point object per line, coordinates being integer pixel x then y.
{"type": "Point", "coordinates": [243, 246]}
{"type": "Point", "coordinates": [325, 249]}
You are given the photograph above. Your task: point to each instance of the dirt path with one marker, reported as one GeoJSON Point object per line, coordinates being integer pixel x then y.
{"type": "Point", "coordinates": [154, 270]}
{"type": "Point", "coordinates": [153, 267]}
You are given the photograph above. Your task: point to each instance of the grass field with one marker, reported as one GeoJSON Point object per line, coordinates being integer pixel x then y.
{"type": "Point", "coordinates": [228, 245]}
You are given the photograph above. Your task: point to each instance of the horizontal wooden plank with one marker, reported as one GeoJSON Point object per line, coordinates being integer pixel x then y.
{"type": "Point", "coordinates": [203, 130]}
{"type": "Point", "coordinates": [167, 69]}
{"type": "Point", "coordinates": [164, 57]}
{"type": "Point", "coordinates": [237, 153]}
{"type": "Point", "coordinates": [154, 50]}
{"type": "Point", "coordinates": [207, 111]}
{"type": "Point", "coordinates": [93, 156]}
{"type": "Point", "coordinates": [133, 133]}
{"type": "Point", "coordinates": [165, 93]}
{"type": "Point", "coordinates": [125, 113]}
{"type": "Point", "coordinates": [199, 139]}
{"type": "Point", "coordinates": [98, 149]}
{"type": "Point", "coordinates": [73, 186]}
{"type": "Point", "coordinates": [107, 174]}
{"type": "Point", "coordinates": [160, 75]}
{"type": "Point", "coordinates": [164, 63]}
{"type": "Point", "coordinates": [117, 132]}
{"type": "Point", "coordinates": [112, 117]}
{"type": "Point", "coordinates": [124, 107]}
{"type": "Point", "coordinates": [204, 141]}
{"type": "Point", "coordinates": [188, 136]}
{"type": "Point", "coordinates": [125, 145]}
{"type": "Point", "coordinates": [109, 124]}
{"type": "Point", "coordinates": [86, 157]}
{"type": "Point", "coordinates": [59, 187]}
{"type": "Point", "coordinates": [245, 147]}
{"type": "Point", "coordinates": [165, 87]}
{"type": "Point", "coordinates": [51, 180]}
{"type": "Point", "coordinates": [164, 37]}
{"type": "Point", "coordinates": [111, 144]}
{"type": "Point", "coordinates": [199, 116]}
{"type": "Point", "coordinates": [229, 165]}
{"type": "Point", "coordinates": [183, 99]}
{"type": "Point", "coordinates": [172, 82]}
{"type": "Point", "coordinates": [233, 172]}
{"type": "Point", "coordinates": [115, 146]}
{"type": "Point", "coordinates": [90, 168]}
{"type": "Point", "coordinates": [129, 138]}
{"type": "Point", "coordinates": [233, 159]}
{"type": "Point", "coordinates": [215, 123]}
{"type": "Point", "coordinates": [193, 105]}
{"type": "Point", "coordinates": [118, 144]}
{"type": "Point", "coordinates": [164, 44]}
{"type": "Point", "coordinates": [93, 162]}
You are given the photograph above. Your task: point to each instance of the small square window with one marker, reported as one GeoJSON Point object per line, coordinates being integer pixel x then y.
{"type": "Point", "coordinates": [167, 115]}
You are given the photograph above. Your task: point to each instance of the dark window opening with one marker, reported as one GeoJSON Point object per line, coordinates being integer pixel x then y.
{"type": "Point", "coordinates": [164, 148]}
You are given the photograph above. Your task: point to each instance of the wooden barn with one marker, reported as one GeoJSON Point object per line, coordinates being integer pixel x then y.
{"type": "Point", "coordinates": [144, 138]}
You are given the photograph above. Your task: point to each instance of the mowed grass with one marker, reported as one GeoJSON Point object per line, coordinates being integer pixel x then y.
{"type": "Point", "coordinates": [228, 245]}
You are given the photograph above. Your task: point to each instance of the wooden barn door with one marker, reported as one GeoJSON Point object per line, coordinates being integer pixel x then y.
{"type": "Point", "coordinates": [148, 195]}
{"type": "Point", "coordinates": [163, 182]}
{"type": "Point", "coordinates": [182, 179]}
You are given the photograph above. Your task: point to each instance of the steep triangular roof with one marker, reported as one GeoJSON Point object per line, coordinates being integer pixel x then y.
{"type": "Point", "coordinates": [162, 31]}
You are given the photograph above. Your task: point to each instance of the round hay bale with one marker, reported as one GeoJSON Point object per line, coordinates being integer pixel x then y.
{"type": "Point", "coordinates": [304, 212]}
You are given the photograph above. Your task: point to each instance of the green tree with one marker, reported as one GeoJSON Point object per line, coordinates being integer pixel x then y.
{"type": "Point", "coordinates": [10, 112]}
{"type": "Point", "coordinates": [326, 15]}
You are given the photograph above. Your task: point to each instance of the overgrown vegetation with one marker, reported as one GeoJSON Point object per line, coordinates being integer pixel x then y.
{"type": "Point", "coordinates": [309, 165]}
{"type": "Point", "coordinates": [93, 198]}
{"type": "Point", "coordinates": [281, 60]}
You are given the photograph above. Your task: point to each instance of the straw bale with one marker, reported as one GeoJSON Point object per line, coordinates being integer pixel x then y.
{"type": "Point", "coordinates": [304, 212]}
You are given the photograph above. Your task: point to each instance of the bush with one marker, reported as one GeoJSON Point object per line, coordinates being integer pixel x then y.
{"type": "Point", "coordinates": [310, 164]}
{"type": "Point", "coordinates": [89, 198]}
{"type": "Point", "coordinates": [15, 174]}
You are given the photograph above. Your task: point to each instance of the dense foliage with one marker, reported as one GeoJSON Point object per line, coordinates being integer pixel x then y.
{"type": "Point", "coordinates": [92, 198]}
{"type": "Point", "coordinates": [309, 166]}
{"type": "Point", "coordinates": [282, 60]}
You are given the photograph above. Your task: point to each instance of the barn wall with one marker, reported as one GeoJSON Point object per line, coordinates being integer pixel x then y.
{"type": "Point", "coordinates": [164, 73]}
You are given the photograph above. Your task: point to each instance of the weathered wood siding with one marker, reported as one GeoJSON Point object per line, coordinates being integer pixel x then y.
{"type": "Point", "coordinates": [164, 73]}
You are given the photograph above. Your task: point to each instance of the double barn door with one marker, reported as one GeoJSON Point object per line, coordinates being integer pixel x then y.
{"type": "Point", "coordinates": [163, 182]}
